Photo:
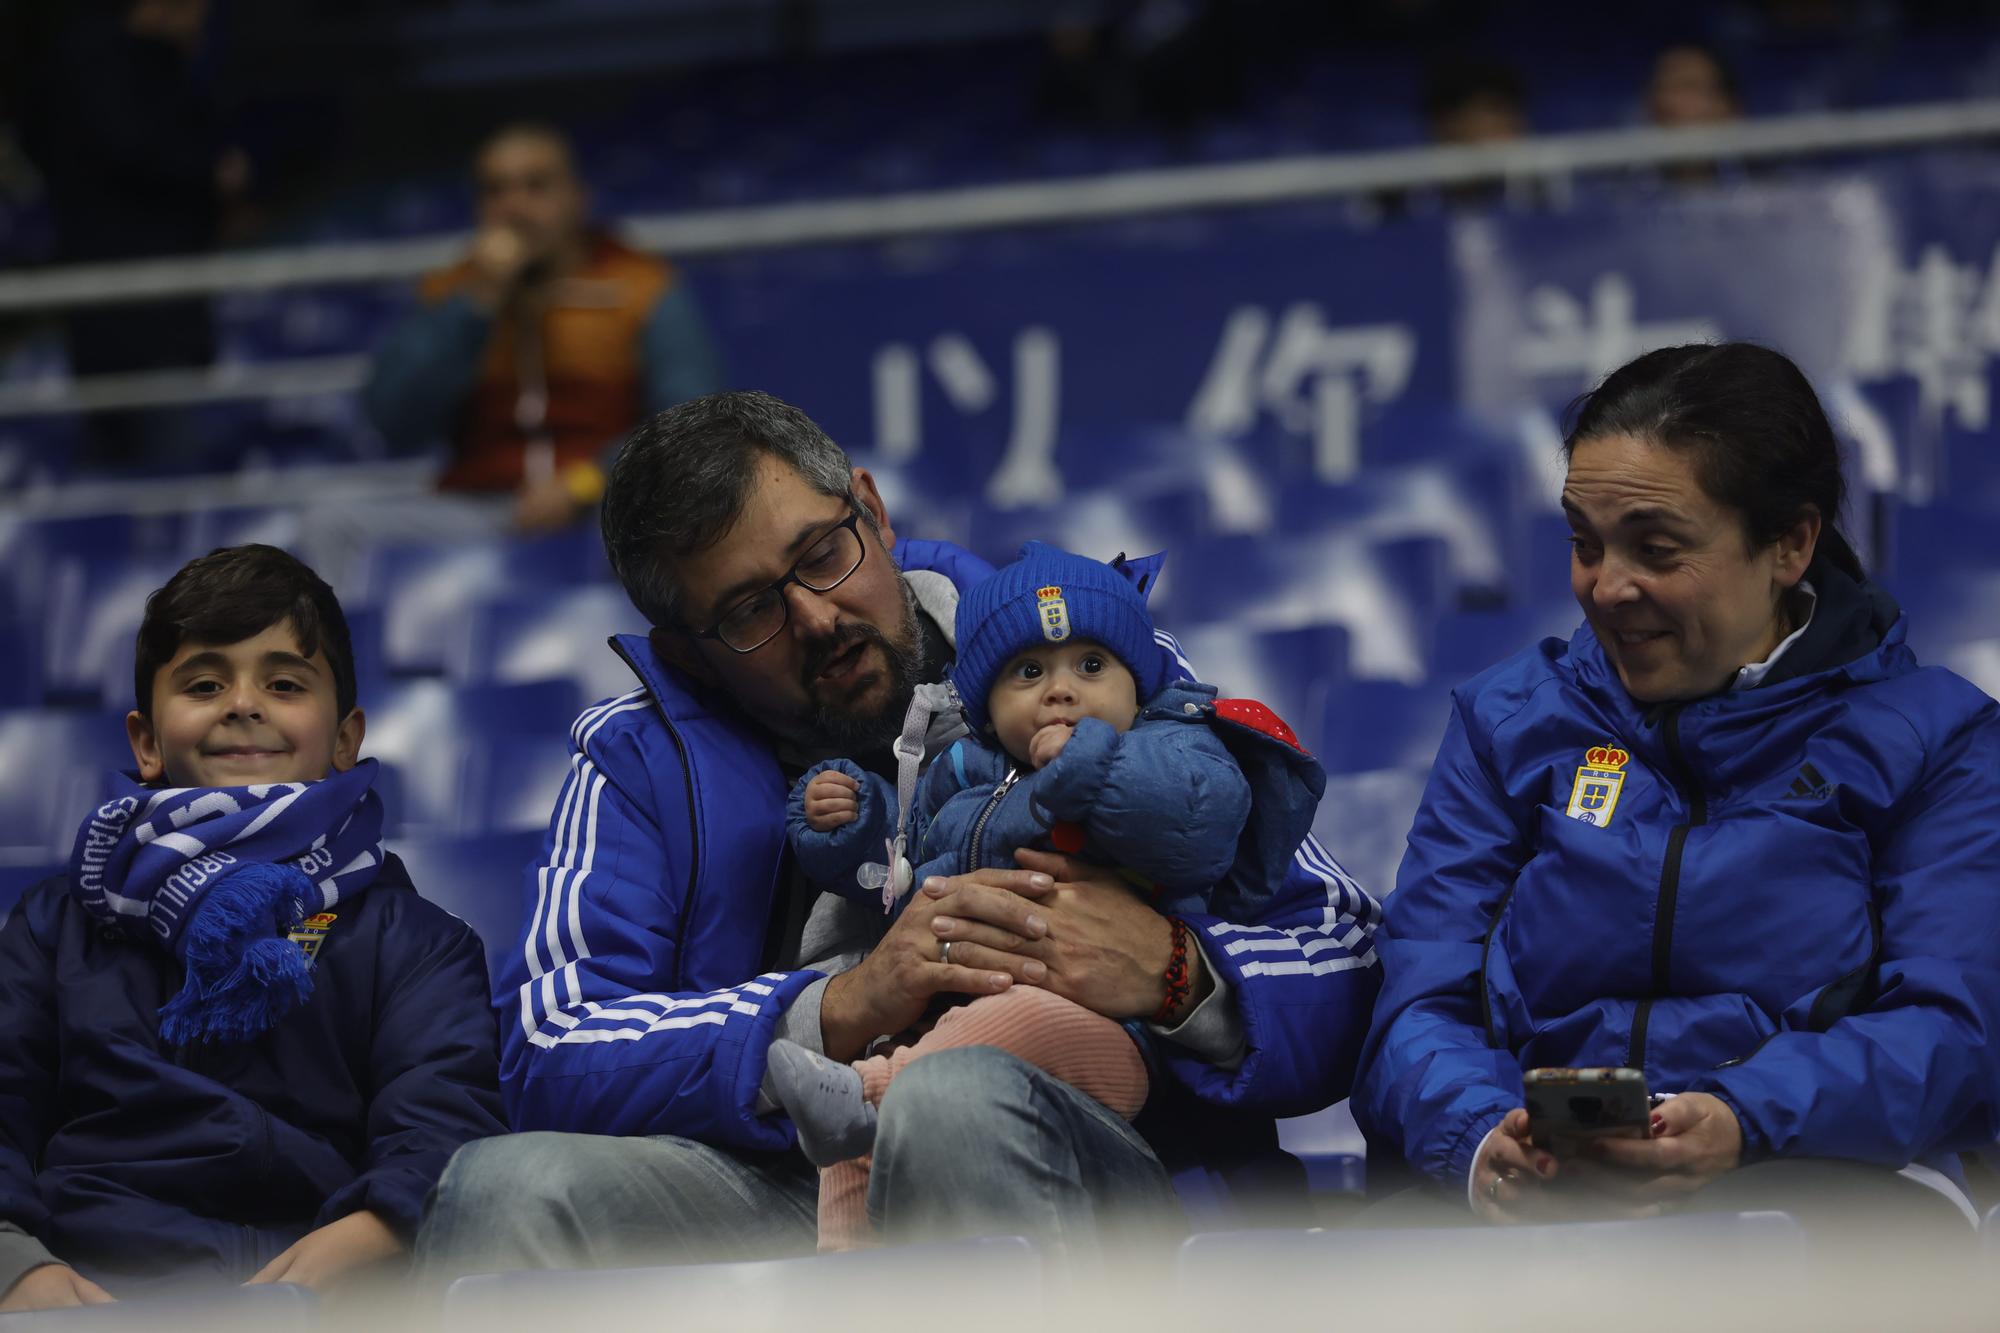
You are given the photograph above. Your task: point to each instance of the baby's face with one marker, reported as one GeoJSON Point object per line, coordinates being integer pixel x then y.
{"type": "Point", "coordinates": [1058, 685]}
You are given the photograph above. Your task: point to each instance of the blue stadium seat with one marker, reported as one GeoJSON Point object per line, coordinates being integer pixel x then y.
{"type": "Point", "coordinates": [514, 786]}
{"type": "Point", "coordinates": [1465, 643]}
{"type": "Point", "coordinates": [1330, 1146]}
{"type": "Point", "coordinates": [838, 1290]}
{"type": "Point", "coordinates": [1376, 724]}
{"type": "Point", "coordinates": [427, 592]}
{"type": "Point", "coordinates": [53, 767]}
{"type": "Point", "coordinates": [439, 740]}
{"type": "Point", "coordinates": [95, 606]}
{"type": "Point", "coordinates": [560, 633]}
{"type": "Point", "coordinates": [1364, 821]}
{"type": "Point", "coordinates": [1100, 524]}
{"type": "Point", "coordinates": [479, 880]}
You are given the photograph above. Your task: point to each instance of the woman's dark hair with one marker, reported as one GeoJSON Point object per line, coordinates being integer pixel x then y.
{"type": "Point", "coordinates": [1761, 442]}
{"type": "Point", "coordinates": [236, 593]}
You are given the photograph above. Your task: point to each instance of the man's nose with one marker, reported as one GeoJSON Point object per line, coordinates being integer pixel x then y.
{"type": "Point", "coordinates": [813, 613]}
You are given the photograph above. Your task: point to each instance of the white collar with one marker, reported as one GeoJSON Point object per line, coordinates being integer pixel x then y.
{"type": "Point", "coordinates": [1750, 677]}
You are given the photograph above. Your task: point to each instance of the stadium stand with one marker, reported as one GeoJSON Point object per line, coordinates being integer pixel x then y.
{"type": "Point", "coordinates": [1352, 603]}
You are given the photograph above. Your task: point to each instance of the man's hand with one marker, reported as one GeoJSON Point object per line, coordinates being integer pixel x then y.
{"type": "Point", "coordinates": [1047, 743]}
{"type": "Point", "coordinates": [889, 989]}
{"type": "Point", "coordinates": [1696, 1138]}
{"type": "Point", "coordinates": [52, 1287]}
{"type": "Point", "coordinates": [832, 799]}
{"type": "Point", "coordinates": [1511, 1176]}
{"type": "Point", "coordinates": [321, 1257]}
{"type": "Point", "coordinates": [1104, 948]}
{"type": "Point", "coordinates": [499, 258]}
{"type": "Point", "coordinates": [544, 505]}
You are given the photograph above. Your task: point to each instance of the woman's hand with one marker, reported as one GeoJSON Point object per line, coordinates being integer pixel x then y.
{"type": "Point", "coordinates": [52, 1287]}
{"type": "Point", "coordinates": [1696, 1138]}
{"type": "Point", "coordinates": [1510, 1175]}
{"type": "Point", "coordinates": [320, 1257]}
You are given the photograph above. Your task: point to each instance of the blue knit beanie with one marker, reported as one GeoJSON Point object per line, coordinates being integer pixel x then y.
{"type": "Point", "coordinates": [1049, 596]}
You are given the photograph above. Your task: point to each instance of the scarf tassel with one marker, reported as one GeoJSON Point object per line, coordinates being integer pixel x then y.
{"type": "Point", "coordinates": [243, 973]}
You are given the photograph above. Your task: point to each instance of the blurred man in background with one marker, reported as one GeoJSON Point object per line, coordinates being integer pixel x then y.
{"type": "Point", "coordinates": [541, 348]}
{"type": "Point", "coordinates": [1691, 86]}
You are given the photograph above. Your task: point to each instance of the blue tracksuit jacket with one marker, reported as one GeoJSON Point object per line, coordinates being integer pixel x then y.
{"type": "Point", "coordinates": [132, 1160]}
{"type": "Point", "coordinates": [1168, 800]}
{"type": "Point", "coordinates": [1786, 896]}
{"type": "Point", "coordinates": [636, 1004]}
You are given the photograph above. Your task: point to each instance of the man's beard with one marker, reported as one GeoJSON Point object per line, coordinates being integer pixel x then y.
{"type": "Point", "coordinates": [841, 731]}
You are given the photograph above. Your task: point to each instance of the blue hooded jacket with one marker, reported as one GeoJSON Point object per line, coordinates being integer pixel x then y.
{"type": "Point", "coordinates": [1786, 896]}
{"type": "Point", "coordinates": [636, 1004]}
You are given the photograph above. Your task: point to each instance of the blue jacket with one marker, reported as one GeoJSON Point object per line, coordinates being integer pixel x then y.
{"type": "Point", "coordinates": [637, 1005]}
{"type": "Point", "coordinates": [1786, 896]}
{"type": "Point", "coordinates": [1167, 800]}
{"type": "Point", "coordinates": [130, 1160]}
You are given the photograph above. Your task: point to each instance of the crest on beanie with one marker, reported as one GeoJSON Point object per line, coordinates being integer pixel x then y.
{"type": "Point", "coordinates": [1053, 612]}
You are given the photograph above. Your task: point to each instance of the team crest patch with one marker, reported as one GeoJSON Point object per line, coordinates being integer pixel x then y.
{"type": "Point", "coordinates": [1594, 796]}
{"type": "Point", "coordinates": [309, 932]}
{"type": "Point", "coordinates": [1054, 613]}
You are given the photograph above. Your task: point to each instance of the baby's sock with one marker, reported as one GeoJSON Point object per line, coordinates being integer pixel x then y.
{"type": "Point", "coordinates": [823, 1098]}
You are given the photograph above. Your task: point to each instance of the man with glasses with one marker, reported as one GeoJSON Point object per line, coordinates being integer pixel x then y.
{"type": "Point", "coordinates": [672, 941]}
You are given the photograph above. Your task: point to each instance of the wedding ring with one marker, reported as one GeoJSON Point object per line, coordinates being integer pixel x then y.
{"type": "Point", "coordinates": [944, 952]}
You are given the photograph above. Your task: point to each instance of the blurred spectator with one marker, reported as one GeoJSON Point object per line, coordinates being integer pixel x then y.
{"type": "Point", "coordinates": [543, 347]}
{"type": "Point", "coordinates": [1691, 85]}
{"type": "Point", "coordinates": [125, 126]}
{"type": "Point", "coordinates": [1474, 102]}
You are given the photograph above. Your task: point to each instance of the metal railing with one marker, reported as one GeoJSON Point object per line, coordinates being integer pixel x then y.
{"type": "Point", "coordinates": [1099, 198]}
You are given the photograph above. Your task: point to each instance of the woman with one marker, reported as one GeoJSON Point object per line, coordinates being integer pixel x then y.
{"type": "Point", "coordinates": [1730, 834]}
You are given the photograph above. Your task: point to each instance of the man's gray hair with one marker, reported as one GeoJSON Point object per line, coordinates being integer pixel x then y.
{"type": "Point", "coordinates": [682, 479]}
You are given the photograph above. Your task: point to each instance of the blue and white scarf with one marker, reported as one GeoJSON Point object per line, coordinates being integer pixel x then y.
{"type": "Point", "coordinates": [219, 877]}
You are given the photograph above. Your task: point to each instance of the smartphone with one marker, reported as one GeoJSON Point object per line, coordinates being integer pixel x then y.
{"type": "Point", "coordinates": [1568, 1107]}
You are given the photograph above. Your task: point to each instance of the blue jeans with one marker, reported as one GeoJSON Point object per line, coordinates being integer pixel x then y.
{"type": "Point", "coordinates": [971, 1142]}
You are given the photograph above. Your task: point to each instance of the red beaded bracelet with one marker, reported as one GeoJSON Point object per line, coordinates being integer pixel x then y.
{"type": "Point", "coordinates": [1176, 975]}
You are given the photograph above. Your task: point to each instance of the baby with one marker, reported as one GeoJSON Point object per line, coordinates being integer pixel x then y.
{"type": "Point", "coordinates": [1081, 744]}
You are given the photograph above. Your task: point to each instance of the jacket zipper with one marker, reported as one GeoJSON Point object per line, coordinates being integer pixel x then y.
{"type": "Point", "coordinates": [1670, 881]}
{"type": "Point", "coordinates": [992, 804]}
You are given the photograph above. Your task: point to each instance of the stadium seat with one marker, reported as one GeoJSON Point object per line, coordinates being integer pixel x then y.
{"type": "Point", "coordinates": [830, 1290]}
{"type": "Point", "coordinates": [440, 740]}
{"type": "Point", "coordinates": [1364, 821]}
{"type": "Point", "coordinates": [1383, 724]}
{"type": "Point", "coordinates": [479, 880]}
{"type": "Point", "coordinates": [95, 605]}
{"type": "Point", "coordinates": [559, 634]}
{"type": "Point", "coordinates": [1465, 643]}
{"type": "Point", "coordinates": [53, 767]}
{"type": "Point", "coordinates": [1329, 1144]}
{"type": "Point", "coordinates": [427, 592]}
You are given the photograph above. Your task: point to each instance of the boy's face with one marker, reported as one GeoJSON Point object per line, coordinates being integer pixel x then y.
{"type": "Point", "coordinates": [244, 713]}
{"type": "Point", "coordinates": [1058, 685]}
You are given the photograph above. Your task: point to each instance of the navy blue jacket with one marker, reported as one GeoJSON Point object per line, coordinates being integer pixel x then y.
{"type": "Point", "coordinates": [133, 1160]}
{"type": "Point", "coordinates": [1787, 896]}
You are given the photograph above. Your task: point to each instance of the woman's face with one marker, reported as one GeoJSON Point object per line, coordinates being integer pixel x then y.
{"type": "Point", "coordinates": [1666, 575]}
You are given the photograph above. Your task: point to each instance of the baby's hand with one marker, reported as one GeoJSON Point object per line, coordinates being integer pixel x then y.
{"type": "Point", "coordinates": [832, 799]}
{"type": "Point", "coordinates": [1048, 743]}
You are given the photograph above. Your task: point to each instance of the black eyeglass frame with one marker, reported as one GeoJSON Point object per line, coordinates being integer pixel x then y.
{"type": "Point", "coordinates": [852, 524]}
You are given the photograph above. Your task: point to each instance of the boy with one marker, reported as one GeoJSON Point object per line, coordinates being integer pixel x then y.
{"type": "Point", "coordinates": [1081, 742]}
{"type": "Point", "coordinates": [234, 1043]}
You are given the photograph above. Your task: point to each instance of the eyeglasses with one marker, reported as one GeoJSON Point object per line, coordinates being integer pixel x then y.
{"type": "Point", "coordinates": [758, 618]}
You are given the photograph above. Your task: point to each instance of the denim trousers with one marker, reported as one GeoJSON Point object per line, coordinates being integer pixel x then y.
{"type": "Point", "coordinates": [970, 1142]}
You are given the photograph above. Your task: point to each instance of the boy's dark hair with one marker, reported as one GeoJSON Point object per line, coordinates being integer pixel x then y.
{"type": "Point", "coordinates": [235, 593]}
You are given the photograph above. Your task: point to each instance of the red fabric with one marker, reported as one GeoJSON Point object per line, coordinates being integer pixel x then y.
{"type": "Point", "coordinates": [1249, 713]}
